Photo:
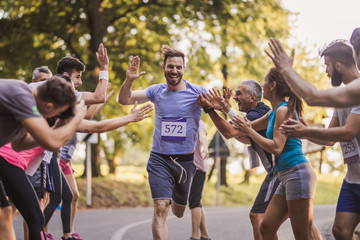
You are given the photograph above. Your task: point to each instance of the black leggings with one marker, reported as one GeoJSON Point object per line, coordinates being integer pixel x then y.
{"type": "Point", "coordinates": [62, 192]}
{"type": "Point", "coordinates": [22, 194]}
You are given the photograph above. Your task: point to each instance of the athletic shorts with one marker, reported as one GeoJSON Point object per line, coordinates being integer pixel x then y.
{"type": "Point", "coordinates": [266, 192]}
{"type": "Point", "coordinates": [196, 189]}
{"type": "Point", "coordinates": [349, 198]}
{"type": "Point", "coordinates": [38, 180]}
{"type": "Point", "coordinates": [65, 166]}
{"type": "Point", "coordinates": [297, 182]}
{"type": "Point", "coordinates": [170, 176]}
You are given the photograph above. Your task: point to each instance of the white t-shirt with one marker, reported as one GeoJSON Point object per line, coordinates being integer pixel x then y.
{"type": "Point", "coordinates": [353, 173]}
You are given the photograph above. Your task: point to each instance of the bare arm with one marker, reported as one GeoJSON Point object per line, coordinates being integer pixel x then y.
{"type": "Point", "coordinates": [126, 95]}
{"type": "Point", "coordinates": [275, 145]}
{"type": "Point", "coordinates": [296, 129]}
{"type": "Point", "coordinates": [98, 96]}
{"type": "Point", "coordinates": [335, 132]}
{"type": "Point", "coordinates": [336, 97]}
{"type": "Point", "coordinates": [93, 110]}
{"type": "Point", "coordinates": [135, 115]}
{"type": "Point", "coordinates": [46, 137]}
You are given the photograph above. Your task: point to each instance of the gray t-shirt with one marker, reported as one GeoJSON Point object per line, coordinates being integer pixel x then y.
{"type": "Point", "coordinates": [16, 104]}
{"type": "Point", "coordinates": [353, 173]}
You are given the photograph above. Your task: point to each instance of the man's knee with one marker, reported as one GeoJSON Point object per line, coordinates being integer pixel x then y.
{"type": "Point", "coordinates": [161, 208]}
{"type": "Point", "coordinates": [255, 218]}
{"type": "Point", "coordinates": [177, 209]}
{"type": "Point", "coordinates": [341, 232]}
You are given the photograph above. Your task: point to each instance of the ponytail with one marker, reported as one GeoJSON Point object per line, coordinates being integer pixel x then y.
{"type": "Point", "coordinates": [283, 91]}
{"type": "Point", "coordinates": [295, 104]}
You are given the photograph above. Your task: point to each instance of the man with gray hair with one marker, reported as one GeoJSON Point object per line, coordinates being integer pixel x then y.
{"type": "Point", "coordinates": [248, 96]}
{"type": "Point", "coordinates": [41, 73]}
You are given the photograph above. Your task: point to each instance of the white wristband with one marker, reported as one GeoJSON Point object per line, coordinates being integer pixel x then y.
{"type": "Point", "coordinates": [104, 75]}
{"type": "Point", "coordinates": [231, 114]}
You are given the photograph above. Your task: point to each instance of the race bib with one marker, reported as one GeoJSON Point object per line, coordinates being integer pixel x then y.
{"type": "Point", "coordinates": [350, 151]}
{"type": "Point", "coordinates": [173, 129]}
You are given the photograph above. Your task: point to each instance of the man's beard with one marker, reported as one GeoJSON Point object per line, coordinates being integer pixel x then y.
{"type": "Point", "coordinates": [336, 78]}
{"type": "Point", "coordinates": [168, 80]}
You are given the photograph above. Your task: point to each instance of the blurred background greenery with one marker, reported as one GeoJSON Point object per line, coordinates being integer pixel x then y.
{"type": "Point", "coordinates": [224, 42]}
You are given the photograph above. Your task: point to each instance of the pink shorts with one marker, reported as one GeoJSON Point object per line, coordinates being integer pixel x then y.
{"type": "Point", "coordinates": [66, 167]}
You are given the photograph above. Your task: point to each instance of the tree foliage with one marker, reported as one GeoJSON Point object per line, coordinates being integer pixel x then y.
{"type": "Point", "coordinates": [223, 41]}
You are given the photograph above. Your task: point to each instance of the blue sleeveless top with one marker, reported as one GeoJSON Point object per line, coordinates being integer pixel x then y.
{"type": "Point", "coordinates": [292, 153]}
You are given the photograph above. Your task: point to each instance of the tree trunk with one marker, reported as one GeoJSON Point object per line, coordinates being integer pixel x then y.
{"type": "Point", "coordinates": [223, 161]}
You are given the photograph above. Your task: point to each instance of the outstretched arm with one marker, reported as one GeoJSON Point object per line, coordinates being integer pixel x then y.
{"type": "Point", "coordinates": [336, 97]}
{"type": "Point", "coordinates": [39, 132]}
{"type": "Point", "coordinates": [93, 110]}
{"type": "Point", "coordinates": [221, 124]}
{"type": "Point", "coordinates": [126, 95]}
{"type": "Point", "coordinates": [275, 145]}
{"type": "Point", "coordinates": [135, 115]}
{"type": "Point", "coordinates": [334, 133]}
{"type": "Point", "coordinates": [296, 129]}
{"type": "Point", "coordinates": [98, 96]}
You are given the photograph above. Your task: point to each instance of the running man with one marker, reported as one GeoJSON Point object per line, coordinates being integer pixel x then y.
{"type": "Point", "coordinates": [344, 128]}
{"type": "Point", "coordinates": [248, 96]}
{"type": "Point", "coordinates": [171, 164]}
{"type": "Point", "coordinates": [198, 218]}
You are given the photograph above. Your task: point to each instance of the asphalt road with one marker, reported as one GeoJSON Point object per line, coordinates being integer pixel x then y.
{"type": "Point", "coordinates": [224, 223]}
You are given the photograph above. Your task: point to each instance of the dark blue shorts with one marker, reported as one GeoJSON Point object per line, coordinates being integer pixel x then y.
{"type": "Point", "coordinates": [196, 189]}
{"type": "Point", "coordinates": [266, 192]}
{"type": "Point", "coordinates": [349, 198]}
{"type": "Point", "coordinates": [170, 176]}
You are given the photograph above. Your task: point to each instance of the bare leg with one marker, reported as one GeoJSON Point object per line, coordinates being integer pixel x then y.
{"type": "Point", "coordinates": [195, 221]}
{"type": "Point", "coordinates": [301, 218]}
{"type": "Point", "coordinates": [159, 228]}
{"type": "Point", "coordinates": [178, 209]}
{"type": "Point", "coordinates": [203, 226]}
{"type": "Point", "coordinates": [345, 224]}
{"type": "Point", "coordinates": [74, 189]}
{"type": "Point", "coordinates": [6, 227]}
{"type": "Point", "coordinates": [256, 219]}
{"type": "Point", "coordinates": [275, 215]}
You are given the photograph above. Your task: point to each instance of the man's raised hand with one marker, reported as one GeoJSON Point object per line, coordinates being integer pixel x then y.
{"type": "Point", "coordinates": [102, 57]}
{"type": "Point", "coordinates": [280, 59]}
{"type": "Point", "coordinates": [132, 71]}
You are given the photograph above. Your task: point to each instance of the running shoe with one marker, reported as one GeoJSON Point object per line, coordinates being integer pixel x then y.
{"type": "Point", "coordinates": [76, 236]}
{"type": "Point", "coordinates": [49, 236]}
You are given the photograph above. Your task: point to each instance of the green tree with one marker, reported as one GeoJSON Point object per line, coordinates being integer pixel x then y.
{"type": "Point", "coordinates": [40, 32]}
